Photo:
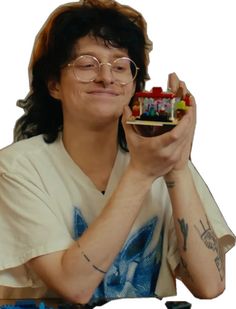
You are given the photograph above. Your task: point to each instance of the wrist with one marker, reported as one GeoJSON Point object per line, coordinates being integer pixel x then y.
{"type": "Point", "coordinates": [177, 174]}
{"type": "Point", "coordinates": [176, 177]}
{"type": "Point", "coordinates": [139, 177]}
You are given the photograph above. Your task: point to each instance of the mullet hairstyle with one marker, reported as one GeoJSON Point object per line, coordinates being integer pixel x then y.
{"type": "Point", "coordinates": [118, 25]}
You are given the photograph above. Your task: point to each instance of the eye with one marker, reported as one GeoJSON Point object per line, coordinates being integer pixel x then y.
{"type": "Point", "coordinates": [121, 65]}
{"type": "Point", "coordinates": [86, 63]}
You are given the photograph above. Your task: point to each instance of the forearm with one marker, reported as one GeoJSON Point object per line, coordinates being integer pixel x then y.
{"type": "Point", "coordinates": [78, 277]}
{"type": "Point", "coordinates": [202, 265]}
{"type": "Point", "coordinates": [106, 235]}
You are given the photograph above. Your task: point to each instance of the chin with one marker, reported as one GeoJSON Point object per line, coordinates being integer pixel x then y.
{"type": "Point", "coordinates": [105, 117]}
{"type": "Point", "coordinates": [107, 111]}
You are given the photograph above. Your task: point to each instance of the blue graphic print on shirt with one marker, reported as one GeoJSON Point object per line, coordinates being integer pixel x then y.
{"type": "Point", "coordinates": [136, 268]}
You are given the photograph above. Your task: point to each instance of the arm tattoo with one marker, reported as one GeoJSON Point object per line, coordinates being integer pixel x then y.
{"type": "Point", "coordinates": [207, 236]}
{"type": "Point", "coordinates": [210, 240]}
{"type": "Point", "coordinates": [184, 230]}
{"type": "Point", "coordinates": [185, 270]}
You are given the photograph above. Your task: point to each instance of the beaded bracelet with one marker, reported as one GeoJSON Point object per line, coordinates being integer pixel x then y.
{"type": "Point", "coordinates": [89, 261]}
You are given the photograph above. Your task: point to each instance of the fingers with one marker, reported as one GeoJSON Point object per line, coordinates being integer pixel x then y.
{"type": "Point", "coordinates": [157, 155]}
{"type": "Point", "coordinates": [193, 102]}
{"type": "Point", "coordinates": [176, 85]}
{"type": "Point", "coordinates": [127, 113]}
{"type": "Point", "coordinates": [173, 82]}
{"type": "Point", "coordinates": [181, 136]}
{"type": "Point", "coordinates": [130, 132]}
{"type": "Point", "coordinates": [178, 134]}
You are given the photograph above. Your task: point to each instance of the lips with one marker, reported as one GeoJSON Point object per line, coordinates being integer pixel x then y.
{"type": "Point", "coordinates": [103, 92]}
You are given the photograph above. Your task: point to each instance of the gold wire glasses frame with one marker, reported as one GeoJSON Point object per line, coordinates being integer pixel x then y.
{"type": "Point", "coordinates": [86, 69]}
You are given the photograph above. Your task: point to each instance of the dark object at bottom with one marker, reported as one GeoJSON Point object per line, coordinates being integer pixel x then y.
{"type": "Point", "coordinates": [178, 305]}
{"type": "Point", "coordinates": [149, 131]}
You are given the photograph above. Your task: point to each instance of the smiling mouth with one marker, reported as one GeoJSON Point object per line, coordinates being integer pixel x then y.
{"type": "Point", "coordinates": [103, 93]}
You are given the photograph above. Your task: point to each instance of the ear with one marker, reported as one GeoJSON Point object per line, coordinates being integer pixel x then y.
{"type": "Point", "coordinates": [54, 89]}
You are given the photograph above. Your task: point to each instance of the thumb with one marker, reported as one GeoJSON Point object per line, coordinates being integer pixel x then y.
{"type": "Point", "coordinates": [127, 113]}
{"type": "Point", "coordinates": [173, 82]}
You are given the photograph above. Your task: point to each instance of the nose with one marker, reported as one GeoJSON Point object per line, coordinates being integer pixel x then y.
{"type": "Point", "coordinates": [105, 75]}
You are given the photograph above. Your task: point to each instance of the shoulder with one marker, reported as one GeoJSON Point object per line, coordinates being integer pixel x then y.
{"type": "Point", "coordinates": [23, 153]}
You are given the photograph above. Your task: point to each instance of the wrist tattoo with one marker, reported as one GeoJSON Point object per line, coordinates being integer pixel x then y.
{"type": "Point", "coordinates": [184, 230]}
{"type": "Point", "coordinates": [170, 184]}
{"type": "Point", "coordinates": [210, 240]}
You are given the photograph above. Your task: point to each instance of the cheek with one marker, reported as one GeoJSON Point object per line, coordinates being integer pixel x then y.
{"type": "Point", "coordinates": [71, 97]}
{"type": "Point", "coordinates": [129, 92]}
{"type": "Point", "coordinates": [70, 94]}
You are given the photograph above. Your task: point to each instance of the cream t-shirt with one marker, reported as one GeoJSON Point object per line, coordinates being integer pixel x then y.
{"type": "Point", "coordinates": [47, 202]}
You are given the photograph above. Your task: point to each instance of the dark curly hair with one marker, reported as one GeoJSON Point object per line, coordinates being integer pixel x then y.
{"type": "Point", "coordinates": [118, 25]}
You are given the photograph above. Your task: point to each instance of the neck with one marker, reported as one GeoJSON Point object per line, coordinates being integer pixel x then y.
{"type": "Point", "coordinates": [81, 140]}
{"type": "Point", "coordinates": [93, 150]}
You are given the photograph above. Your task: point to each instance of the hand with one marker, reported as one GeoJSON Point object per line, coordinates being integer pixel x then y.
{"type": "Point", "coordinates": [160, 155]}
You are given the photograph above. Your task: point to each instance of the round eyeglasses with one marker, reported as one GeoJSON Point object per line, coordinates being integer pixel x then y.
{"type": "Point", "coordinates": [86, 69]}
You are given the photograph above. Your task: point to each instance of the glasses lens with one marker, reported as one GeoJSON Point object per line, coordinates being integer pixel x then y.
{"type": "Point", "coordinates": [86, 68]}
{"type": "Point", "coordinates": [124, 70]}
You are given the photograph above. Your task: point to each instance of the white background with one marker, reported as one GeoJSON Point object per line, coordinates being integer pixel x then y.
{"type": "Point", "coordinates": [195, 39]}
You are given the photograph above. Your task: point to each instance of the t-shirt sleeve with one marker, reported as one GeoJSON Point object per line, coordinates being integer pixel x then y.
{"type": "Point", "coordinates": [30, 227]}
{"type": "Point", "coordinates": [215, 217]}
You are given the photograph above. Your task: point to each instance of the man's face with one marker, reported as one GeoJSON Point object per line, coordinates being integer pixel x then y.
{"type": "Point", "coordinates": [97, 101]}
